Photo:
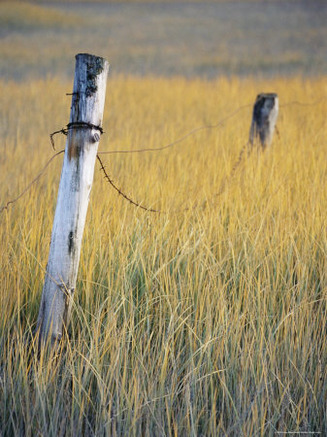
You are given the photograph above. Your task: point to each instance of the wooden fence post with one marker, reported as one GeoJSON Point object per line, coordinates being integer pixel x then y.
{"type": "Point", "coordinates": [265, 113]}
{"type": "Point", "coordinates": [83, 135]}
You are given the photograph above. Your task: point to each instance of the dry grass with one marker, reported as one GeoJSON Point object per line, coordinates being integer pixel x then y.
{"type": "Point", "coordinates": [181, 39]}
{"type": "Point", "coordinates": [206, 322]}
{"type": "Point", "coordinates": [24, 16]}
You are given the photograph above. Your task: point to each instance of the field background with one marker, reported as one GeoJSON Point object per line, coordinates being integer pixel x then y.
{"type": "Point", "coordinates": [209, 321]}
{"type": "Point", "coordinates": [190, 40]}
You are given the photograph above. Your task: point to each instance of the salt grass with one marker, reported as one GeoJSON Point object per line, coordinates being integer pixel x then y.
{"type": "Point", "coordinates": [209, 321]}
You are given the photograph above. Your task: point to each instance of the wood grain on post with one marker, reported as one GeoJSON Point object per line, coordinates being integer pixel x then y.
{"type": "Point", "coordinates": [83, 137]}
{"type": "Point", "coordinates": [265, 113]}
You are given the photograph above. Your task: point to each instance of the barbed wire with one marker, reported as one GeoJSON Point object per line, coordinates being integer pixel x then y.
{"type": "Point", "coordinates": [222, 188]}
{"type": "Point", "coordinates": [213, 126]}
{"type": "Point", "coordinates": [77, 125]}
{"type": "Point", "coordinates": [227, 180]}
{"type": "Point", "coordinates": [120, 192]}
{"type": "Point", "coordinates": [74, 125]}
{"type": "Point", "coordinates": [295, 102]}
{"type": "Point", "coordinates": [179, 140]}
{"type": "Point", "coordinates": [64, 131]}
{"type": "Point", "coordinates": [10, 202]}
{"type": "Point", "coordinates": [234, 168]}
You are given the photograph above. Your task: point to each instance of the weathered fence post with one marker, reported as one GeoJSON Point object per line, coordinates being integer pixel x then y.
{"type": "Point", "coordinates": [83, 135]}
{"type": "Point", "coordinates": [265, 113]}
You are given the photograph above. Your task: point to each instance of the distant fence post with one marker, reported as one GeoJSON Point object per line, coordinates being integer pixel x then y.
{"type": "Point", "coordinates": [83, 135]}
{"type": "Point", "coordinates": [265, 113]}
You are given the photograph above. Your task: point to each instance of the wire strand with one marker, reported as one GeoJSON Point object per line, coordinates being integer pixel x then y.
{"type": "Point", "coordinates": [119, 191]}
{"type": "Point", "coordinates": [81, 125]}
{"type": "Point", "coordinates": [12, 201]}
{"type": "Point", "coordinates": [179, 140]}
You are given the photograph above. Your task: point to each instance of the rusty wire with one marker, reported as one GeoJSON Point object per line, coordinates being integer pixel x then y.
{"type": "Point", "coordinates": [5, 207]}
{"type": "Point", "coordinates": [221, 190]}
{"type": "Point", "coordinates": [74, 125]}
{"type": "Point", "coordinates": [296, 102]}
{"type": "Point", "coordinates": [179, 140]}
{"type": "Point", "coordinates": [236, 165]}
{"type": "Point", "coordinates": [81, 125]}
{"type": "Point", "coordinates": [120, 192]}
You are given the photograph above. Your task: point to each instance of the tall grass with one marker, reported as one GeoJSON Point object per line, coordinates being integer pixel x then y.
{"type": "Point", "coordinates": [201, 39]}
{"type": "Point", "coordinates": [209, 321]}
{"type": "Point", "coordinates": [24, 16]}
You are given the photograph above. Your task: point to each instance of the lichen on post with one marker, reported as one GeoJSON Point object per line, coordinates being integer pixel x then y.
{"type": "Point", "coordinates": [83, 137]}
{"type": "Point", "coordinates": [265, 113]}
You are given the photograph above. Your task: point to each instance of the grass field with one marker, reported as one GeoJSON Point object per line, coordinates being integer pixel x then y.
{"type": "Point", "coordinates": [202, 39]}
{"type": "Point", "coordinates": [209, 321]}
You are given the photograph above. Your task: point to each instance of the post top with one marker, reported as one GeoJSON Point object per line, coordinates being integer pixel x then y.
{"type": "Point", "coordinates": [267, 96]}
{"type": "Point", "coordinates": [89, 89]}
{"type": "Point", "coordinates": [88, 55]}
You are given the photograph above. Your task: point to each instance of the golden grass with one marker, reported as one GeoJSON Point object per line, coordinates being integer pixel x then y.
{"type": "Point", "coordinates": [21, 15]}
{"type": "Point", "coordinates": [210, 321]}
{"type": "Point", "coordinates": [209, 40]}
